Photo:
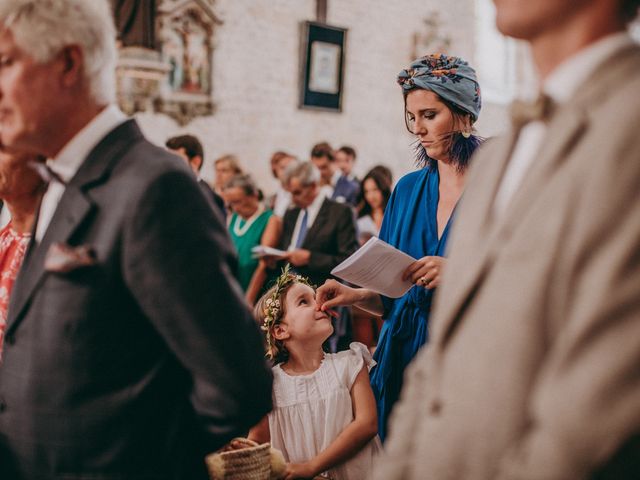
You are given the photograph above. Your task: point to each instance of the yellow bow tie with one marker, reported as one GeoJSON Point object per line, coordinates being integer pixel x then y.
{"type": "Point", "coordinates": [524, 112]}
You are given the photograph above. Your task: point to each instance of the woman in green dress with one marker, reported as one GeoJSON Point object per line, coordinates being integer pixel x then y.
{"type": "Point", "coordinates": [250, 224]}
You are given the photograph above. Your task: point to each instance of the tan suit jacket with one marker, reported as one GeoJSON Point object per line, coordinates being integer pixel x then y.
{"type": "Point", "coordinates": [533, 367]}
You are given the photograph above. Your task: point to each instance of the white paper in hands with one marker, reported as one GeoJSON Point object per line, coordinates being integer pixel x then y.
{"type": "Point", "coordinates": [377, 266]}
{"type": "Point", "coordinates": [260, 251]}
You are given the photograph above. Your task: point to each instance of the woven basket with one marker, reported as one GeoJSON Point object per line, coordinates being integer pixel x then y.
{"type": "Point", "coordinates": [248, 461]}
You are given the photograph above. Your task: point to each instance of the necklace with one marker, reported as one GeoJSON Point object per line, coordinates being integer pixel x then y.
{"type": "Point", "coordinates": [240, 230]}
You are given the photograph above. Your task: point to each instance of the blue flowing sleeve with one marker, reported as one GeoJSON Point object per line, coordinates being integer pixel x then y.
{"type": "Point", "coordinates": [389, 223]}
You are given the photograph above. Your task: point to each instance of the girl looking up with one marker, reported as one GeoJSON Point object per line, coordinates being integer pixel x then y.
{"type": "Point", "coordinates": [324, 413]}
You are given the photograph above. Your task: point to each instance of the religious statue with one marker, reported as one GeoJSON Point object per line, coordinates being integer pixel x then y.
{"type": "Point", "coordinates": [135, 22]}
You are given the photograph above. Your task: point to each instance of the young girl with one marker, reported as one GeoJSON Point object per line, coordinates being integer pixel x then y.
{"type": "Point", "coordinates": [324, 414]}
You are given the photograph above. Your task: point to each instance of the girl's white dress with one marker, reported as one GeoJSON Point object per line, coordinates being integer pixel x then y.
{"type": "Point", "coordinates": [311, 410]}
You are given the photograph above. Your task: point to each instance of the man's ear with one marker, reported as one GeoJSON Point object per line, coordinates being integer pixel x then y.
{"type": "Point", "coordinates": [466, 123]}
{"type": "Point", "coordinates": [71, 60]}
{"type": "Point", "coordinates": [196, 163]}
{"type": "Point", "coordinates": [281, 331]}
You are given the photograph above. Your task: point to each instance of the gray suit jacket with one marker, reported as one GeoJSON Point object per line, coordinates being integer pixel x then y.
{"type": "Point", "coordinates": [533, 366]}
{"type": "Point", "coordinates": [137, 362]}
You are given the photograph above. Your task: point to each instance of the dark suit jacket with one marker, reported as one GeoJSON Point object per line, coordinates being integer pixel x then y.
{"type": "Point", "coordinates": [137, 365]}
{"type": "Point", "coordinates": [331, 239]}
{"type": "Point", "coordinates": [214, 198]}
{"type": "Point", "coordinates": [346, 191]}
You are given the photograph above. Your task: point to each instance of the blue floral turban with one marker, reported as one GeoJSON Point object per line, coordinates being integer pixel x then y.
{"type": "Point", "coordinates": [449, 77]}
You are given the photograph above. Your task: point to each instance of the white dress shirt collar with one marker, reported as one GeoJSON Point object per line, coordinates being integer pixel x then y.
{"type": "Point", "coordinates": [313, 209]}
{"type": "Point", "coordinates": [567, 77]}
{"type": "Point", "coordinates": [69, 159]}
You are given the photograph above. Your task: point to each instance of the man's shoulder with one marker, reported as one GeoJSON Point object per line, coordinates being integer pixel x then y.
{"type": "Point", "coordinates": [206, 188]}
{"type": "Point", "coordinates": [349, 181]}
{"type": "Point", "coordinates": [145, 162]}
{"type": "Point", "coordinates": [291, 215]}
{"type": "Point", "coordinates": [613, 106]}
{"type": "Point", "coordinates": [336, 208]}
{"type": "Point", "coordinates": [614, 84]}
{"type": "Point", "coordinates": [127, 145]}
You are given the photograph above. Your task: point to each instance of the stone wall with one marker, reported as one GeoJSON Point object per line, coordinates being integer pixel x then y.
{"type": "Point", "coordinates": [256, 82]}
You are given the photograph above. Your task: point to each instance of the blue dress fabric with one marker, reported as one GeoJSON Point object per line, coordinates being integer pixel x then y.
{"type": "Point", "coordinates": [410, 225]}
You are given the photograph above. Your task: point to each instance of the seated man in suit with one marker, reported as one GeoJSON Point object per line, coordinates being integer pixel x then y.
{"type": "Point", "coordinates": [318, 233]}
{"type": "Point", "coordinates": [129, 349]}
{"type": "Point", "coordinates": [190, 150]}
{"type": "Point", "coordinates": [335, 184]}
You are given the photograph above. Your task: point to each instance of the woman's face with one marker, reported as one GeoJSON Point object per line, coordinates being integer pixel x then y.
{"type": "Point", "coordinates": [224, 172]}
{"type": "Point", "coordinates": [281, 165]}
{"type": "Point", "coordinates": [372, 194]}
{"type": "Point", "coordinates": [240, 203]}
{"type": "Point", "coordinates": [431, 121]}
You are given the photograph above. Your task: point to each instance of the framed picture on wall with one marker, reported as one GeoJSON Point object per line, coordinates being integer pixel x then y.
{"type": "Point", "coordinates": [322, 64]}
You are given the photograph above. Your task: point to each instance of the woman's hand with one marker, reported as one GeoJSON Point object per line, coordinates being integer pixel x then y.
{"type": "Point", "coordinates": [335, 294]}
{"type": "Point", "coordinates": [425, 272]}
{"type": "Point", "coordinates": [299, 470]}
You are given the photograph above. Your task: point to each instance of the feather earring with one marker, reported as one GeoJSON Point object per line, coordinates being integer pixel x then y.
{"type": "Point", "coordinates": [463, 146]}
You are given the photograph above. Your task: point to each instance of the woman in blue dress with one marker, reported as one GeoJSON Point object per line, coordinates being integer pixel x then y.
{"type": "Point", "coordinates": [442, 101]}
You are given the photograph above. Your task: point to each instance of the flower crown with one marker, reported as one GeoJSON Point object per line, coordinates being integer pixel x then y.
{"type": "Point", "coordinates": [273, 307]}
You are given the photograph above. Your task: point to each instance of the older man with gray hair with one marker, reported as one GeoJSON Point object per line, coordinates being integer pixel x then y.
{"type": "Point", "coordinates": [126, 356]}
{"type": "Point", "coordinates": [318, 232]}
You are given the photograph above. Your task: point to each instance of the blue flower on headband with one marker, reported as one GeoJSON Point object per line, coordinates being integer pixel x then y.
{"type": "Point", "coordinates": [449, 77]}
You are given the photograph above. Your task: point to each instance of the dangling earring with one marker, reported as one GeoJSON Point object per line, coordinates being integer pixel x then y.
{"type": "Point", "coordinates": [465, 143]}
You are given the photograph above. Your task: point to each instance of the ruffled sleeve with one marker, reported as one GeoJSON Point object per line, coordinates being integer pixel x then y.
{"type": "Point", "coordinates": [353, 360]}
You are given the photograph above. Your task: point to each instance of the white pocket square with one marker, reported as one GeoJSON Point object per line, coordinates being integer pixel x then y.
{"type": "Point", "coordinates": [64, 258]}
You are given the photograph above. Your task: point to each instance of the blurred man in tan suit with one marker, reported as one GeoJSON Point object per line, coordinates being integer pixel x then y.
{"type": "Point", "coordinates": [533, 367]}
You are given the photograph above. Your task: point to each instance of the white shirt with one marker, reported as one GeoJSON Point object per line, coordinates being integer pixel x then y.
{"type": "Point", "coordinates": [68, 161]}
{"type": "Point", "coordinates": [327, 190]}
{"type": "Point", "coordinates": [5, 216]}
{"type": "Point", "coordinates": [560, 85]}
{"type": "Point", "coordinates": [312, 213]}
{"type": "Point", "coordinates": [281, 203]}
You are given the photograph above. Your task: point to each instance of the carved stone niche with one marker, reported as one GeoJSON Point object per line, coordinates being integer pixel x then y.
{"type": "Point", "coordinates": [185, 38]}
{"type": "Point", "coordinates": [139, 74]}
